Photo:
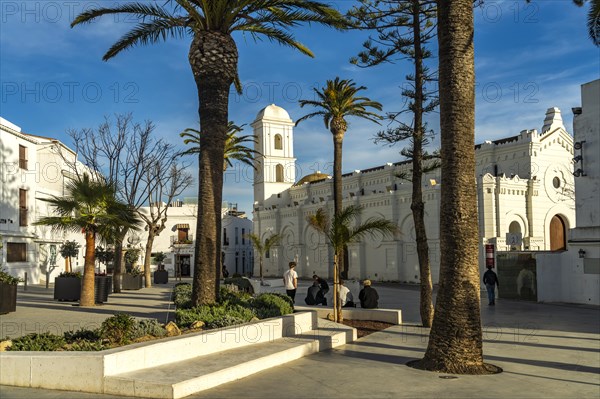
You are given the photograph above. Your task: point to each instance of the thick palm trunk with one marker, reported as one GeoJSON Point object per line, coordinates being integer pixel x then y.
{"type": "Point", "coordinates": [455, 342]}
{"type": "Point", "coordinates": [417, 205]}
{"type": "Point", "coordinates": [147, 257]}
{"type": "Point", "coordinates": [213, 58]}
{"type": "Point", "coordinates": [87, 284]}
{"type": "Point", "coordinates": [338, 138]}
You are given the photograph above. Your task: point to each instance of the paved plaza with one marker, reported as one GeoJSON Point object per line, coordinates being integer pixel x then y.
{"type": "Point", "coordinates": [546, 350]}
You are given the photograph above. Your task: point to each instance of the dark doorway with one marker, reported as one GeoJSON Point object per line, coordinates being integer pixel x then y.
{"type": "Point", "coordinates": [184, 265]}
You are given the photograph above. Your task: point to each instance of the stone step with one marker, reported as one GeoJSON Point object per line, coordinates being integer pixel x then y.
{"type": "Point", "coordinates": [180, 379]}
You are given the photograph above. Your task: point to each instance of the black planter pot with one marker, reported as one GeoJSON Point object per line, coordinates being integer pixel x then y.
{"type": "Point", "coordinates": [161, 277]}
{"type": "Point", "coordinates": [67, 288]}
{"type": "Point", "coordinates": [131, 282]}
{"type": "Point", "coordinates": [102, 288]}
{"type": "Point", "coordinates": [8, 298]}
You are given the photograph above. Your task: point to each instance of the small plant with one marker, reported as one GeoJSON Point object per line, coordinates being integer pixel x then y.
{"type": "Point", "coordinates": [131, 257]}
{"type": "Point", "coordinates": [38, 342]}
{"type": "Point", "coordinates": [118, 329]}
{"type": "Point", "coordinates": [182, 295]}
{"type": "Point", "coordinates": [135, 271]}
{"type": "Point", "coordinates": [225, 321]}
{"type": "Point", "coordinates": [6, 278]}
{"type": "Point", "coordinates": [70, 274]}
{"type": "Point", "coordinates": [148, 327]}
{"type": "Point", "coordinates": [271, 305]}
{"type": "Point", "coordinates": [79, 335]}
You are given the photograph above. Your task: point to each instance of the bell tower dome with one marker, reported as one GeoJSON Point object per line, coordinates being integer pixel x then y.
{"type": "Point", "coordinates": [275, 166]}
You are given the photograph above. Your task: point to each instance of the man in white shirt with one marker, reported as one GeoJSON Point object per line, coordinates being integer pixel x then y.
{"type": "Point", "coordinates": [290, 280]}
{"type": "Point", "coordinates": [346, 296]}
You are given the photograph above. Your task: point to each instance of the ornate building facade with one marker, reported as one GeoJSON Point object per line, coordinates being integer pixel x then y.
{"type": "Point", "coordinates": [525, 196]}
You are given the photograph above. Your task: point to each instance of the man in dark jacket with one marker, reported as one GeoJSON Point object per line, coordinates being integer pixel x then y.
{"type": "Point", "coordinates": [368, 296]}
{"type": "Point", "coordinates": [490, 279]}
{"type": "Point", "coordinates": [324, 289]}
{"type": "Point", "coordinates": [313, 294]}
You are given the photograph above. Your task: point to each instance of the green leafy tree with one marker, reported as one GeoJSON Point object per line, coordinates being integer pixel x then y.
{"type": "Point", "coordinates": [104, 255]}
{"type": "Point", "coordinates": [235, 147]}
{"type": "Point", "coordinates": [402, 30]}
{"type": "Point", "coordinates": [338, 100]}
{"type": "Point", "coordinates": [263, 247]}
{"type": "Point", "coordinates": [344, 229]}
{"type": "Point", "coordinates": [90, 206]}
{"type": "Point", "coordinates": [213, 58]}
{"type": "Point", "coordinates": [68, 250]}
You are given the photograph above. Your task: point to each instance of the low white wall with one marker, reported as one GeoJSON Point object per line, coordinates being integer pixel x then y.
{"type": "Point", "coordinates": [392, 316]}
{"type": "Point", "coordinates": [85, 371]}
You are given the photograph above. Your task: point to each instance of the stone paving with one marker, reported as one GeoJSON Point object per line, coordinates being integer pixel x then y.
{"type": "Point", "coordinates": [546, 350]}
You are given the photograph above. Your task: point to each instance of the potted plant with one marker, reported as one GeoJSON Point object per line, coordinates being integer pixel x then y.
{"type": "Point", "coordinates": [8, 292]}
{"type": "Point", "coordinates": [67, 286]}
{"type": "Point", "coordinates": [161, 276]}
{"type": "Point", "coordinates": [133, 279]}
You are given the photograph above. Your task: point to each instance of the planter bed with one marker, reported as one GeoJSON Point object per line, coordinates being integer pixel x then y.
{"type": "Point", "coordinates": [131, 282]}
{"type": "Point", "coordinates": [8, 298]}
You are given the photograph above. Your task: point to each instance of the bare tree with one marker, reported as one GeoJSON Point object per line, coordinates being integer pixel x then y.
{"type": "Point", "coordinates": [120, 151]}
{"type": "Point", "coordinates": [171, 180]}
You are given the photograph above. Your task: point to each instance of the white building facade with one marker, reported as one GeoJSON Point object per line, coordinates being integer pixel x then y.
{"type": "Point", "coordinates": [525, 193]}
{"type": "Point", "coordinates": [177, 239]}
{"type": "Point", "coordinates": [574, 275]}
{"type": "Point", "coordinates": [32, 168]}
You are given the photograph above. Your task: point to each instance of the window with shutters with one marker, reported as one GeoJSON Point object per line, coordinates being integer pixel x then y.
{"type": "Point", "coordinates": [22, 207]}
{"type": "Point", "coordinates": [22, 157]}
{"type": "Point", "coordinates": [16, 252]}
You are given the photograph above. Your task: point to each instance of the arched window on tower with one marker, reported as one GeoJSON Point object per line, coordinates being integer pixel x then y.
{"type": "Point", "coordinates": [278, 142]}
{"type": "Point", "coordinates": [279, 173]}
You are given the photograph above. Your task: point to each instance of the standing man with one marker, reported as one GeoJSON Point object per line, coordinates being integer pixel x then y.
{"type": "Point", "coordinates": [290, 280]}
{"type": "Point", "coordinates": [490, 279]}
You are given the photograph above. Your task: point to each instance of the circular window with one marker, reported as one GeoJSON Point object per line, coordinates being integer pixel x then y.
{"type": "Point", "coordinates": [556, 182]}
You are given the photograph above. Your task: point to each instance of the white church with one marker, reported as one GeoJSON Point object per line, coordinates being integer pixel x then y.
{"type": "Point", "coordinates": [525, 196]}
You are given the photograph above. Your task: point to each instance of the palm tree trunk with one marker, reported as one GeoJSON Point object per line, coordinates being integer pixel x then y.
{"type": "Point", "coordinates": [147, 257]}
{"type": "Point", "coordinates": [87, 284]}
{"type": "Point", "coordinates": [213, 59]}
{"type": "Point", "coordinates": [338, 139]}
{"type": "Point", "coordinates": [455, 342]}
{"type": "Point", "coordinates": [417, 205]}
{"type": "Point", "coordinates": [260, 267]}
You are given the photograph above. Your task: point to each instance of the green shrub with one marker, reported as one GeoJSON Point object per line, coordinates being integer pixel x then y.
{"type": "Point", "coordinates": [148, 327]}
{"type": "Point", "coordinates": [242, 283]}
{"type": "Point", "coordinates": [271, 305]}
{"type": "Point", "coordinates": [210, 313]}
{"type": "Point", "coordinates": [118, 329]}
{"type": "Point", "coordinates": [182, 295]}
{"type": "Point", "coordinates": [69, 274]}
{"type": "Point", "coordinates": [233, 296]}
{"type": "Point", "coordinates": [226, 321]}
{"type": "Point", "coordinates": [85, 346]}
{"type": "Point", "coordinates": [6, 278]}
{"type": "Point", "coordinates": [79, 335]}
{"type": "Point", "coordinates": [38, 342]}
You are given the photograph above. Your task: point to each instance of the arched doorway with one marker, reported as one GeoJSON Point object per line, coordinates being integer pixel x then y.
{"type": "Point", "coordinates": [558, 239]}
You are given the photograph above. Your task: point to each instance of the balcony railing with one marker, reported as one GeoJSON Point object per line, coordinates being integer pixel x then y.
{"type": "Point", "coordinates": [176, 240]}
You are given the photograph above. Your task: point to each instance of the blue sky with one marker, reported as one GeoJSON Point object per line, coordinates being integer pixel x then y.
{"type": "Point", "coordinates": [529, 57]}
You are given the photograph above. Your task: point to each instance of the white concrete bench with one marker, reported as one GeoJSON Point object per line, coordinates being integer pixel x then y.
{"type": "Point", "coordinates": [393, 316]}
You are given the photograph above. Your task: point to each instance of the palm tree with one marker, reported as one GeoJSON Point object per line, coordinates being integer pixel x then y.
{"type": "Point", "coordinates": [339, 233]}
{"type": "Point", "coordinates": [593, 19]}
{"type": "Point", "coordinates": [455, 341]}
{"type": "Point", "coordinates": [235, 149]}
{"type": "Point", "coordinates": [213, 57]}
{"type": "Point", "coordinates": [263, 248]}
{"type": "Point", "coordinates": [336, 101]}
{"type": "Point", "coordinates": [90, 207]}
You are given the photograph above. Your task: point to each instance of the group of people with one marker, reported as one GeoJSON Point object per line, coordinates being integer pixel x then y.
{"type": "Point", "coordinates": [316, 293]}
